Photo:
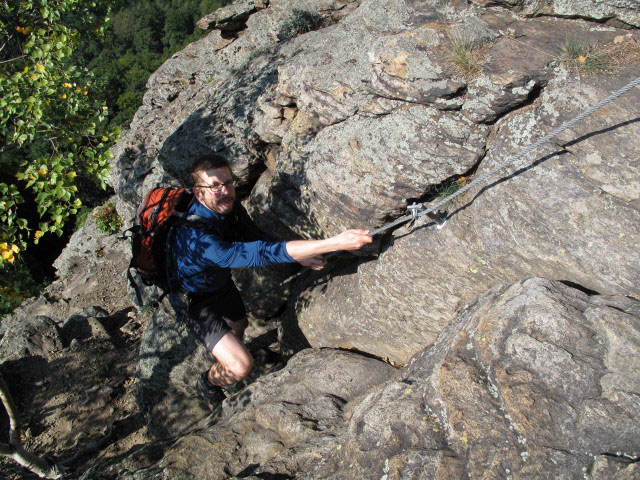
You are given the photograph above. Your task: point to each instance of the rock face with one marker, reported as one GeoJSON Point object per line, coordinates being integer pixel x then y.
{"type": "Point", "coordinates": [294, 409]}
{"type": "Point", "coordinates": [530, 380]}
{"type": "Point", "coordinates": [552, 215]}
{"type": "Point", "coordinates": [534, 379]}
{"type": "Point", "coordinates": [170, 361]}
{"type": "Point", "coordinates": [348, 140]}
{"type": "Point", "coordinates": [613, 11]}
{"type": "Point", "coordinates": [516, 321]}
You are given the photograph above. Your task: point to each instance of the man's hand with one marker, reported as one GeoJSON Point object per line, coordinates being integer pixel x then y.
{"type": "Point", "coordinates": [352, 239]}
{"type": "Point", "coordinates": [314, 263]}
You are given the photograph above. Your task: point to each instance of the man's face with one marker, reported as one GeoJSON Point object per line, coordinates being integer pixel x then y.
{"type": "Point", "coordinates": [215, 190]}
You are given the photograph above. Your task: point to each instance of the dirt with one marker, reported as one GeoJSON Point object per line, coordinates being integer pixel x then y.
{"type": "Point", "coordinates": [82, 393]}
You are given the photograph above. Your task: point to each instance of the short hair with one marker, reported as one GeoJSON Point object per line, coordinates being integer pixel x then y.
{"type": "Point", "coordinates": [205, 162]}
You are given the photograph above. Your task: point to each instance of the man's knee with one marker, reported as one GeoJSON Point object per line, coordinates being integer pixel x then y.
{"type": "Point", "coordinates": [240, 366]}
{"type": "Point", "coordinates": [244, 367]}
{"type": "Point", "coordinates": [235, 361]}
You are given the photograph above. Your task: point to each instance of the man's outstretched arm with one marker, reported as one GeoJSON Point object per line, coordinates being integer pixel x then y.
{"type": "Point", "coordinates": [301, 250]}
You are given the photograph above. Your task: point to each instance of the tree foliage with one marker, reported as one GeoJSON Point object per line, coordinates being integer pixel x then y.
{"type": "Point", "coordinates": [52, 125]}
{"type": "Point", "coordinates": [142, 35]}
{"type": "Point", "coordinates": [69, 77]}
{"type": "Point", "coordinates": [53, 128]}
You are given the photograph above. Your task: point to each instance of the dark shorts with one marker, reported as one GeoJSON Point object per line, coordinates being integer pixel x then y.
{"type": "Point", "coordinates": [209, 315]}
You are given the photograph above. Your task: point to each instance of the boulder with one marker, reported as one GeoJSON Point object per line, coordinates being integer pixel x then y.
{"type": "Point", "coordinates": [26, 336]}
{"type": "Point", "coordinates": [232, 17]}
{"type": "Point", "coordinates": [554, 214]}
{"type": "Point", "coordinates": [534, 379]}
{"type": "Point", "coordinates": [84, 324]}
{"type": "Point", "coordinates": [170, 360]}
{"type": "Point", "coordinates": [295, 409]}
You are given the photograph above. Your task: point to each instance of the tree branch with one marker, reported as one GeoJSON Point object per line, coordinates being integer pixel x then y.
{"type": "Point", "coordinates": [12, 411]}
{"type": "Point", "coordinates": [13, 59]}
{"type": "Point", "coordinates": [14, 449]}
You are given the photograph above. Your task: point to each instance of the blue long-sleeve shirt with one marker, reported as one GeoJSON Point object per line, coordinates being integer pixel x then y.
{"type": "Point", "coordinates": [203, 259]}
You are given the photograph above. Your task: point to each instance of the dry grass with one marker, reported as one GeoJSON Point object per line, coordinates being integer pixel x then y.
{"type": "Point", "coordinates": [625, 50]}
{"type": "Point", "coordinates": [467, 57]}
{"type": "Point", "coordinates": [585, 58]}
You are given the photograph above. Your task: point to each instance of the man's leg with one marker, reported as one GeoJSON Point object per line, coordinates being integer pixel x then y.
{"type": "Point", "coordinates": [239, 327]}
{"type": "Point", "coordinates": [234, 362]}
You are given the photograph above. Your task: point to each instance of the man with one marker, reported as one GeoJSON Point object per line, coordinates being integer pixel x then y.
{"type": "Point", "coordinates": [203, 293]}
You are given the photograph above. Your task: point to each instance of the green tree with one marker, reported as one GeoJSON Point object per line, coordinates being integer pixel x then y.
{"type": "Point", "coordinates": [52, 125]}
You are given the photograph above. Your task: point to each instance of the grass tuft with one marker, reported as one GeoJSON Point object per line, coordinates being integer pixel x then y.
{"type": "Point", "coordinates": [465, 55]}
{"type": "Point", "coordinates": [585, 58]}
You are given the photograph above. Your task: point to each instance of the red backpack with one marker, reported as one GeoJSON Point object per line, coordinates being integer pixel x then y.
{"type": "Point", "coordinates": [162, 208]}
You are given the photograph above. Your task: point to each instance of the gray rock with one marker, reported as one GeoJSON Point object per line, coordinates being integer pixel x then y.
{"type": "Point", "coordinates": [87, 248]}
{"type": "Point", "coordinates": [170, 361]}
{"type": "Point", "coordinates": [626, 11]}
{"type": "Point", "coordinates": [553, 217]}
{"type": "Point", "coordinates": [364, 168]}
{"type": "Point", "coordinates": [203, 99]}
{"type": "Point", "coordinates": [84, 324]}
{"type": "Point", "coordinates": [559, 203]}
{"type": "Point", "coordinates": [532, 379]}
{"type": "Point", "coordinates": [27, 336]}
{"type": "Point", "coordinates": [295, 409]}
{"type": "Point", "coordinates": [232, 17]}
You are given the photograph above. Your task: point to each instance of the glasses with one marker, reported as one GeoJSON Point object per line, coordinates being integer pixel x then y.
{"type": "Point", "coordinates": [217, 187]}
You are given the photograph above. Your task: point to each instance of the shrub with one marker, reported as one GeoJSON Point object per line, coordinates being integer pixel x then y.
{"type": "Point", "coordinates": [107, 219]}
{"type": "Point", "coordinates": [299, 22]}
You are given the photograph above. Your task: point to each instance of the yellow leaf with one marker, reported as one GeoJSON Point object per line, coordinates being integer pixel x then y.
{"type": "Point", "coordinates": [618, 39]}
{"type": "Point", "coordinates": [15, 248]}
{"type": "Point", "coordinates": [39, 68]}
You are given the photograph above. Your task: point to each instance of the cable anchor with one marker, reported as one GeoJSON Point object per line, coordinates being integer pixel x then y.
{"type": "Point", "coordinates": [414, 209]}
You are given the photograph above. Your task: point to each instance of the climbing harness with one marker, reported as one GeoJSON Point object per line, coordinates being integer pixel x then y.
{"type": "Point", "coordinates": [417, 210]}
